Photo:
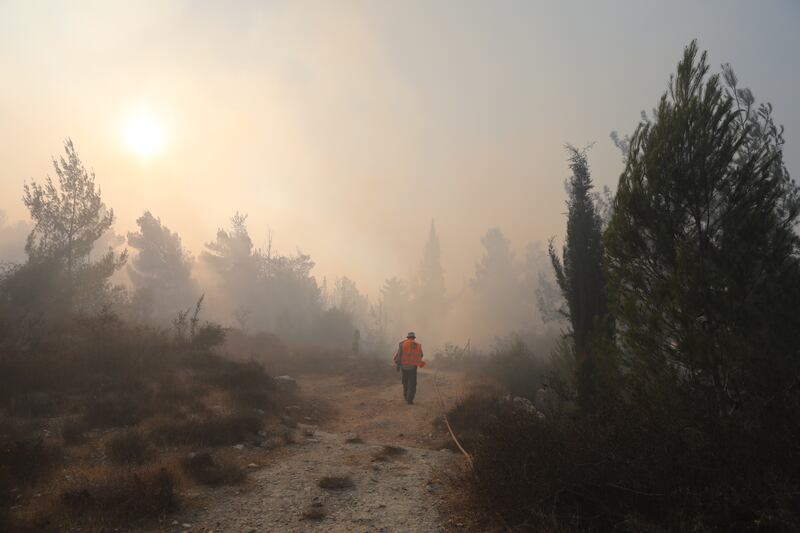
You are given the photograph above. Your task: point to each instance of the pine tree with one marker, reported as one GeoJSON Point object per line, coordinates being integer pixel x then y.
{"type": "Point", "coordinates": [702, 249]}
{"type": "Point", "coordinates": [232, 258]}
{"type": "Point", "coordinates": [161, 270]}
{"type": "Point", "coordinates": [498, 287]}
{"type": "Point", "coordinates": [430, 294]}
{"type": "Point", "coordinates": [69, 217]}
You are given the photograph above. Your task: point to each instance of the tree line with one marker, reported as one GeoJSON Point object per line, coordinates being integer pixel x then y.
{"type": "Point", "coordinates": [76, 264]}
{"type": "Point", "coordinates": [682, 408]}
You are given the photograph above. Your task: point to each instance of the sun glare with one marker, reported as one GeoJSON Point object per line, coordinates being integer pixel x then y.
{"type": "Point", "coordinates": [144, 135]}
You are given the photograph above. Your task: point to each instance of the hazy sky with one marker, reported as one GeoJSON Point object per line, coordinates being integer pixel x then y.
{"type": "Point", "coordinates": [345, 127]}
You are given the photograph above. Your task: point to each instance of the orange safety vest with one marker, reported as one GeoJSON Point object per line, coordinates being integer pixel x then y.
{"type": "Point", "coordinates": [411, 353]}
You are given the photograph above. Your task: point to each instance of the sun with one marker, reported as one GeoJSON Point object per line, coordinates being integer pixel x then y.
{"type": "Point", "coordinates": [143, 134]}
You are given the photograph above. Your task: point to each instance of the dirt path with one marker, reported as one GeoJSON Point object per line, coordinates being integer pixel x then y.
{"type": "Point", "coordinates": [393, 489]}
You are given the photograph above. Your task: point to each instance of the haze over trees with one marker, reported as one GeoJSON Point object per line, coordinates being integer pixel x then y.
{"type": "Point", "coordinates": [68, 219]}
{"type": "Point", "coordinates": [160, 271]}
{"type": "Point", "coordinates": [686, 309]}
{"type": "Point", "coordinates": [429, 299]}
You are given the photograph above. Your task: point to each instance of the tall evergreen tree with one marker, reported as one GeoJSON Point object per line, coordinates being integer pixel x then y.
{"type": "Point", "coordinates": [702, 248]}
{"type": "Point", "coordinates": [161, 270]}
{"type": "Point", "coordinates": [430, 294]}
{"type": "Point", "coordinates": [396, 305]}
{"type": "Point", "coordinates": [498, 287]}
{"type": "Point", "coordinates": [69, 217]}
{"type": "Point", "coordinates": [579, 273]}
{"type": "Point", "coordinates": [232, 258]}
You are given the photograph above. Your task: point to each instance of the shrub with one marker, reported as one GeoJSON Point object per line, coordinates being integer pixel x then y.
{"type": "Point", "coordinates": [387, 452]}
{"type": "Point", "coordinates": [73, 429]}
{"type": "Point", "coordinates": [34, 404]}
{"type": "Point", "coordinates": [215, 431]}
{"type": "Point", "coordinates": [119, 409]}
{"type": "Point", "coordinates": [315, 511]}
{"type": "Point", "coordinates": [125, 497]}
{"type": "Point", "coordinates": [459, 359]}
{"type": "Point", "coordinates": [468, 418]}
{"type": "Point", "coordinates": [28, 459]}
{"type": "Point", "coordinates": [664, 465]}
{"type": "Point", "coordinates": [336, 483]}
{"type": "Point", "coordinates": [205, 469]}
{"type": "Point", "coordinates": [515, 367]}
{"type": "Point", "coordinates": [128, 447]}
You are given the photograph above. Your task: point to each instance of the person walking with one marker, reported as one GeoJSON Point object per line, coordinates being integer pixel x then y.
{"type": "Point", "coordinates": [407, 359]}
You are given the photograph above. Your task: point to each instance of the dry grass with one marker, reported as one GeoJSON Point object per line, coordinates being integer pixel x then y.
{"type": "Point", "coordinates": [168, 399]}
{"type": "Point", "coordinates": [123, 497]}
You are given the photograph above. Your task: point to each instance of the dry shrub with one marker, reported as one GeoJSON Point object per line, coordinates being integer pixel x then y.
{"type": "Point", "coordinates": [468, 418]}
{"type": "Point", "coordinates": [519, 370]}
{"type": "Point", "coordinates": [263, 347]}
{"type": "Point", "coordinates": [206, 469]}
{"type": "Point", "coordinates": [215, 431]}
{"type": "Point", "coordinates": [34, 405]}
{"type": "Point", "coordinates": [124, 497]}
{"type": "Point", "coordinates": [660, 466]}
{"type": "Point", "coordinates": [387, 452]}
{"type": "Point", "coordinates": [311, 360]}
{"type": "Point", "coordinates": [336, 483]}
{"type": "Point", "coordinates": [28, 459]}
{"type": "Point", "coordinates": [315, 511]}
{"type": "Point", "coordinates": [246, 383]}
{"type": "Point", "coordinates": [119, 408]}
{"type": "Point", "coordinates": [176, 389]}
{"type": "Point", "coordinates": [128, 447]}
{"type": "Point", "coordinates": [73, 429]}
{"type": "Point", "coordinates": [458, 359]}
{"type": "Point", "coordinates": [370, 371]}
{"type": "Point", "coordinates": [354, 440]}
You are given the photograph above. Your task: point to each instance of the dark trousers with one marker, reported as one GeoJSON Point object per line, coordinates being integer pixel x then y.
{"type": "Point", "coordinates": [409, 384]}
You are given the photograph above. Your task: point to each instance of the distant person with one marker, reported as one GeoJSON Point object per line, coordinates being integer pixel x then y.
{"type": "Point", "coordinates": [408, 358]}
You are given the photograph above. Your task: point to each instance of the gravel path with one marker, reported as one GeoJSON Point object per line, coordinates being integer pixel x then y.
{"type": "Point", "coordinates": [398, 490]}
{"type": "Point", "coordinates": [389, 493]}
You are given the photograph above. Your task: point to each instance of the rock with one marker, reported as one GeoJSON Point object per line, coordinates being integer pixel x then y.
{"type": "Point", "coordinates": [286, 382]}
{"type": "Point", "coordinates": [239, 447]}
{"type": "Point", "coordinates": [526, 405]}
{"type": "Point", "coordinates": [252, 465]}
